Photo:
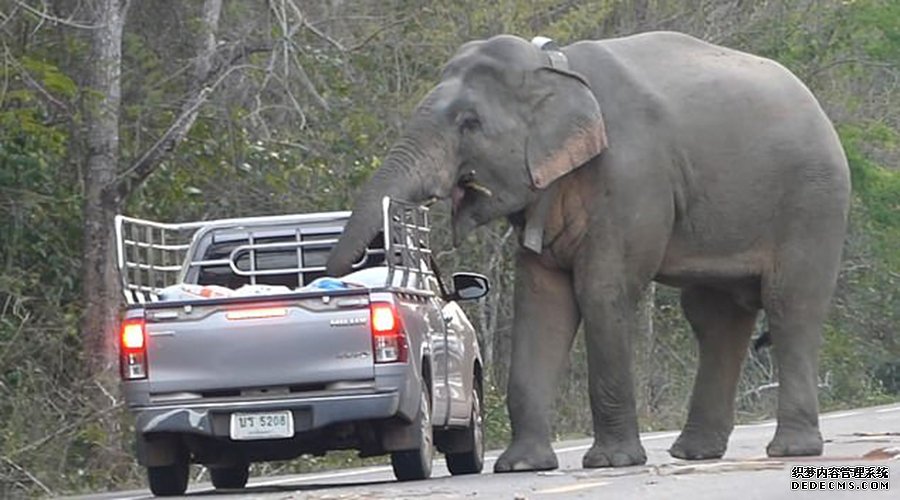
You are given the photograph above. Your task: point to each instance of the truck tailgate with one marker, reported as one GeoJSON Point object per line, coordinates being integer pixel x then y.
{"type": "Point", "coordinates": [299, 344]}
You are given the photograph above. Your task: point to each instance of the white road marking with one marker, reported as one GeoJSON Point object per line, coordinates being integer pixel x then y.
{"type": "Point", "coordinates": [888, 410]}
{"type": "Point", "coordinates": [754, 426]}
{"type": "Point", "coordinates": [570, 488]}
{"type": "Point", "coordinates": [572, 448]}
{"type": "Point", "coordinates": [661, 436]}
{"type": "Point", "coordinates": [327, 475]}
{"type": "Point", "coordinates": [840, 415]}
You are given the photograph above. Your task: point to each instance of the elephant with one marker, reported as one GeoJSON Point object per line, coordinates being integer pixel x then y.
{"type": "Point", "coordinates": [651, 157]}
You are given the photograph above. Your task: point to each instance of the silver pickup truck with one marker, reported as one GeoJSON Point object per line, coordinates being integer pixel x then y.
{"type": "Point", "coordinates": [236, 349]}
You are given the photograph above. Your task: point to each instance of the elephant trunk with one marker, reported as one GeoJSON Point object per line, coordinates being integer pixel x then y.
{"type": "Point", "coordinates": [418, 167]}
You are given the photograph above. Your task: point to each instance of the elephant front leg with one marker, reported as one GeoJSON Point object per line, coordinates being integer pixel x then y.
{"type": "Point", "coordinates": [610, 321]}
{"type": "Point", "coordinates": [545, 321]}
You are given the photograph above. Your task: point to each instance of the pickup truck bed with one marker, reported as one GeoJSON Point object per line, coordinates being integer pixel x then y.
{"type": "Point", "coordinates": [384, 362]}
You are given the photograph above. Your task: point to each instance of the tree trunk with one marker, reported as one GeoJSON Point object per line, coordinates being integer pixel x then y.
{"type": "Point", "coordinates": [99, 282]}
{"type": "Point", "coordinates": [105, 186]}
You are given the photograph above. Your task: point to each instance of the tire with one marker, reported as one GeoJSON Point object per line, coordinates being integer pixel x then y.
{"type": "Point", "coordinates": [169, 480]}
{"type": "Point", "coordinates": [415, 464]}
{"type": "Point", "coordinates": [230, 478]}
{"type": "Point", "coordinates": [472, 461]}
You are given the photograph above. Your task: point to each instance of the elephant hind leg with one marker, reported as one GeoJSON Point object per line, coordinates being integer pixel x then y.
{"type": "Point", "coordinates": [796, 300]}
{"type": "Point", "coordinates": [723, 328]}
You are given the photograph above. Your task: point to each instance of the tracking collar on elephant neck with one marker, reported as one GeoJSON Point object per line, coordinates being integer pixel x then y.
{"type": "Point", "coordinates": [533, 236]}
{"type": "Point", "coordinates": [556, 59]}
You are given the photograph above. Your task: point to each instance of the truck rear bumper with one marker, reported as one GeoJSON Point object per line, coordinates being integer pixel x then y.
{"type": "Point", "coordinates": [310, 413]}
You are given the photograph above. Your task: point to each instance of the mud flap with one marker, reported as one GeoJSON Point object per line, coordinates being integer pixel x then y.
{"type": "Point", "coordinates": [398, 435]}
{"type": "Point", "coordinates": [158, 450]}
{"type": "Point", "coordinates": [453, 441]}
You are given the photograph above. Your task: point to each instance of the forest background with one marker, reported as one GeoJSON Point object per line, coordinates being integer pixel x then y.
{"type": "Point", "coordinates": [186, 110]}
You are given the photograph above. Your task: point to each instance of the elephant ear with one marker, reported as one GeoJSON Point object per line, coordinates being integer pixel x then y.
{"type": "Point", "coordinates": [567, 128]}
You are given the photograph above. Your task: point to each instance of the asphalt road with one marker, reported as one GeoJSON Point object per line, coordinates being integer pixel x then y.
{"type": "Point", "coordinates": [868, 438]}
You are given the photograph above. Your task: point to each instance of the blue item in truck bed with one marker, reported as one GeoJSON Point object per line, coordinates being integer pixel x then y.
{"type": "Point", "coordinates": [326, 283]}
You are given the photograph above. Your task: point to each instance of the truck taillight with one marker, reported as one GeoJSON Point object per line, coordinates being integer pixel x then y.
{"type": "Point", "coordinates": [133, 349]}
{"type": "Point", "coordinates": [388, 339]}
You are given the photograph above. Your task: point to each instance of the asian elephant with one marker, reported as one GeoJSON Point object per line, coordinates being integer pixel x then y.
{"type": "Point", "coordinates": [650, 157]}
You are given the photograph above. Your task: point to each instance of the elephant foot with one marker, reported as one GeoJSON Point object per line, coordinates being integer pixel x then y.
{"type": "Point", "coordinates": [524, 456]}
{"type": "Point", "coordinates": [794, 443]}
{"type": "Point", "coordinates": [692, 445]}
{"type": "Point", "coordinates": [619, 455]}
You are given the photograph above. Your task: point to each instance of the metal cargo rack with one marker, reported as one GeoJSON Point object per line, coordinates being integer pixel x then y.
{"type": "Point", "coordinates": [154, 255]}
{"type": "Point", "coordinates": [407, 238]}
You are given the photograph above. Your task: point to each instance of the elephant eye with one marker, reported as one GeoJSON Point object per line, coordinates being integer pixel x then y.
{"type": "Point", "coordinates": [469, 123]}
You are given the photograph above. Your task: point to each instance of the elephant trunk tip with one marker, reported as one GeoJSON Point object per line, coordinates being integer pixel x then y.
{"type": "Point", "coordinates": [338, 266]}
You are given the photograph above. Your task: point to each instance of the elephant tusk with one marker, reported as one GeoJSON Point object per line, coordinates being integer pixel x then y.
{"type": "Point", "coordinates": [474, 186]}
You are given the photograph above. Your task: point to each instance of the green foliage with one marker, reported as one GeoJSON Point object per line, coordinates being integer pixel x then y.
{"type": "Point", "coordinates": [877, 187]}
{"type": "Point", "coordinates": [50, 76]}
{"type": "Point", "coordinates": [875, 25]}
{"type": "Point", "coordinates": [848, 380]}
{"type": "Point", "coordinates": [497, 430]}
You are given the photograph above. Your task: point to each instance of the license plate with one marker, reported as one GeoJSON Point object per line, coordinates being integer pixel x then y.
{"type": "Point", "coordinates": [262, 425]}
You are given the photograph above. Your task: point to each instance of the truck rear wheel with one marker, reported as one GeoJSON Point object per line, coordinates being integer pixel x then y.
{"type": "Point", "coordinates": [230, 478]}
{"type": "Point", "coordinates": [472, 461]}
{"type": "Point", "coordinates": [169, 480]}
{"type": "Point", "coordinates": [415, 464]}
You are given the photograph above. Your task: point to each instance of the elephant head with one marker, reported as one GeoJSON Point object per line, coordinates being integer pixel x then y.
{"type": "Point", "coordinates": [501, 125]}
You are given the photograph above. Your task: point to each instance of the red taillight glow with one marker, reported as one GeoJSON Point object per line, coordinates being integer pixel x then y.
{"type": "Point", "coordinates": [388, 340]}
{"type": "Point", "coordinates": [260, 313]}
{"type": "Point", "coordinates": [133, 335]}
{"type": "Point", "coordinates": [383, 318]}
{"type": "Point", "coordinates": [133, 355]}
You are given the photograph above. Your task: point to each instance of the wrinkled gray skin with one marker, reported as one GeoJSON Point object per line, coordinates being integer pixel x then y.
{"type": "Point", "coordinates": [697, 166]}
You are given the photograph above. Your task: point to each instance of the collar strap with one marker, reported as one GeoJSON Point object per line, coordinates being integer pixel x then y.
{"type": "Point", "coordinates": [533, 237]}
{"type": "Point", "coordinates": [533, 234]}
{"type": "Point", "coordinates": [555, 57]}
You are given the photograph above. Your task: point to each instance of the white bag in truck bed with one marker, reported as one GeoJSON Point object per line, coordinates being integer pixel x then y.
{"type": "Point", "coordinates": [373, 277]}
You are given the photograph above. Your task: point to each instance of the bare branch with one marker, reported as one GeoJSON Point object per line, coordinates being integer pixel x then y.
{"type": "Point", "coordinates": [31, 82]}
{"type": "Point", "coordinates": [6, 18]}
{"type": "Point", "coordinates": [62, 430]}
{"type": "Point", "coordinates": [308, 84]}
{"type": "Point", "coordinates": [15, 336]}
{"type": "Point", "coordinates": [177, 131]}
{"type": "Point", "coordinates": [291, 55]}
{"type": "Point", "coordinates": [147, 163]}
{"type": "Point", "coordinates": [377, 32]}
{"type": "Point", "coordinates": [44, 16]}
{"type": "Point", "coordinates": [29, 475]}
{"type": "Point", "coordinates": [302, 19]}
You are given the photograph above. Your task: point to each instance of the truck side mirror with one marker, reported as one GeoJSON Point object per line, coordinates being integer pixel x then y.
{"type": "Point", "coordinates": [469, 286]}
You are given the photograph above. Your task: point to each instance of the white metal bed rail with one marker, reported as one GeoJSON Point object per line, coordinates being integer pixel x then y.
{"type": "Point", "coordinates": [407, 242]}
{"type": "Point", "coordinates": [154, 255]}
